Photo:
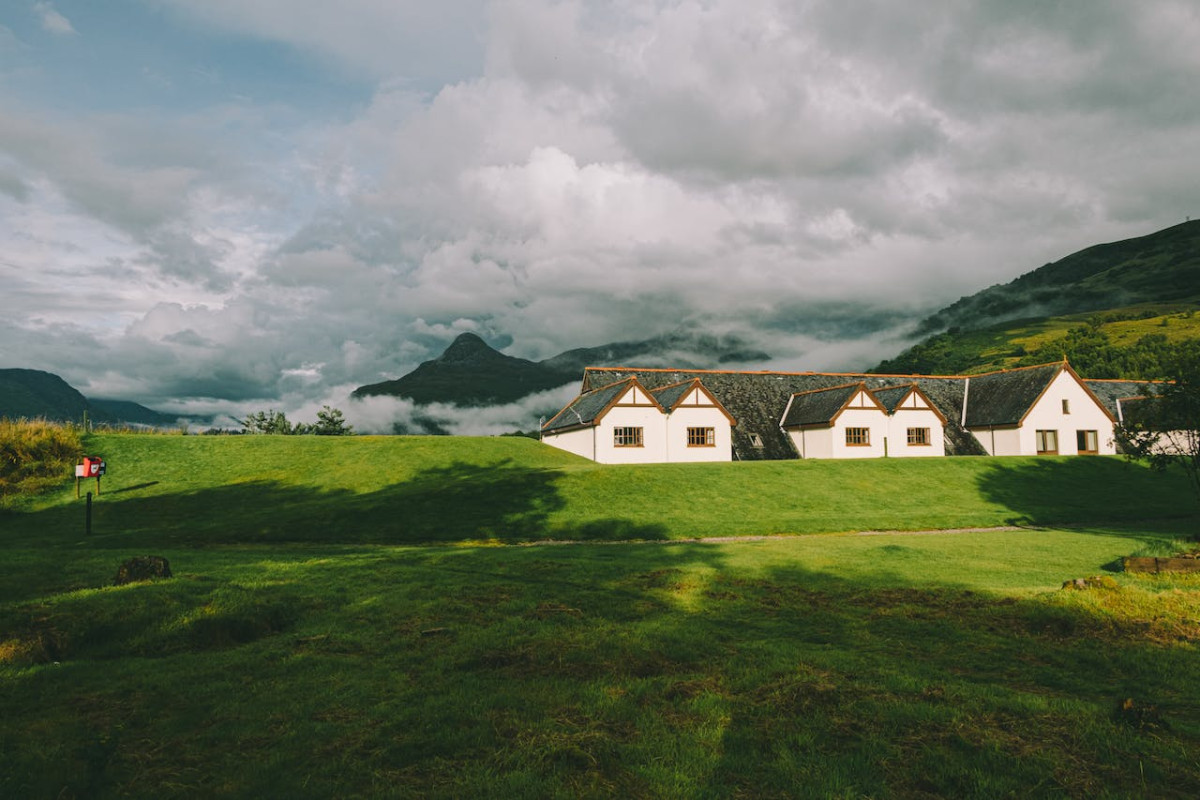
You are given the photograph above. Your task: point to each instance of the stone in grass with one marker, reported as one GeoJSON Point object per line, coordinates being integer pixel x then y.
{"type": "Point", "coordinates": [1094, 582]}
{"type": "Point", "coordinates": [142, 568]}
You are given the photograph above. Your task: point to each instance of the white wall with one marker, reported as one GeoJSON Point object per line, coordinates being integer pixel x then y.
{"type": "Point", "coordinates": [906, 417]}
{"type": "Point", "coordinates": [654, 436]}
{"type": "Point", "coordinates": [1084, 414]}
{"type": "Point", "coordinates": [684, 417]}
{"type": "Point", "coordinates": [580, 442]}
{"type": "Point", "coordinates": [814, 442]}
{"type": "Point", "coordinates": [872, 418]}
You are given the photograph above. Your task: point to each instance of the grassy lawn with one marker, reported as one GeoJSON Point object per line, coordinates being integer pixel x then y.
{"type": "Point", "coordinates": [309, 647]}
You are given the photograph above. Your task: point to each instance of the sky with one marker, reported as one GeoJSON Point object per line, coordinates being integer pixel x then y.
{"type": "Point", "coordinates": [223, 206]}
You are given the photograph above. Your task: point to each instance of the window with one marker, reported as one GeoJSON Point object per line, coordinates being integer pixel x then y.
{"type": "Point", "coordinates": [702, 437]}
{"type": "Point", "coordinates": [1066, 406]}
{"type": "Point", "coordinates": [755, 440]}
{"type": "Point", "coordinates": [1087, 442]}
{"type": "Point", "coordinates": [918, 436]}
{"type": "Point", "coordinates": [858, 437]}
{"type": "Point", "coordinates": [1047, 443]}
{"type": "Point", "coordinates": [627, 437]}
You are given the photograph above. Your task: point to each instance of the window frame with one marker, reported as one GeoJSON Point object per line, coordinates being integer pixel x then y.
{"type": "Point", "coordinates": [701, 436]}
{"type": "Point", "coordinates": [1083, 436]}
{"type": "Point", "coordinates": [1066, 405]}
{"type": "Point", "coordinates": [628, 436]}
{"type": "Point", "coordinates": [858, 433]}
{"type": "Point", "coordinates": [1044, 437]}
{"type": "Point", "coordinates": [923, 437]}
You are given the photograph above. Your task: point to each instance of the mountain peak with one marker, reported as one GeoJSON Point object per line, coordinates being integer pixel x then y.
{"type": "Point", "coordinates": [467, 347]}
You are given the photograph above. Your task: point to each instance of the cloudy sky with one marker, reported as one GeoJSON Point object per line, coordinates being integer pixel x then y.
{"type": "Point", "coordinates": [211, 204]}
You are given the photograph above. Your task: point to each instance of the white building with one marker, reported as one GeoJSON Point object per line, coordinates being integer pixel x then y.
{"type": "Point", "coordinates": [624, 423]}
{"type": "Point", "coordinates": [852, 421]}
{"type": "Point", "coordinates": [629, 415]}
{"type": "Point", "coordinates": [1043, 410]}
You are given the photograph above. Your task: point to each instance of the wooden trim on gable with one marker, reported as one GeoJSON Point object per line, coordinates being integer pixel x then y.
{"type": "Point", "coordinates": [1065, 367]}
{"type": "Point", "coordinates": [697, 385]}
{"type": "Point", "coordinates": [914, 389]}
{"type": "Point", "coordinates": [634, 384]}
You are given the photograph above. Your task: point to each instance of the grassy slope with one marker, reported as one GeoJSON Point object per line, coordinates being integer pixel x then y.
{"type": "Point", "coordinates": [971, 352]}
{"type": "Point", "coordinates": [938, 665]}
{"type": "Point", "coordinates": [206, 490]}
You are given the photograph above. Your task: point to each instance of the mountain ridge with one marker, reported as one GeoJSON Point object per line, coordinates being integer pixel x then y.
{"type": "Point", "coordinates": [472, 373]}
{"type": "Point", "coordinates": [1115, 310]}
{"type": "Point", "coordinates": [37, 394]}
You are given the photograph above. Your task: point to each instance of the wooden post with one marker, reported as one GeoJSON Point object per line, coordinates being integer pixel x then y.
{"type": "Point", "coordinates": [88, 525]}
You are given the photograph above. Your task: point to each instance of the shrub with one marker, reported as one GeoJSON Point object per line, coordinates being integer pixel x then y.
{"type": "Point", "coordinates": [35, 455]}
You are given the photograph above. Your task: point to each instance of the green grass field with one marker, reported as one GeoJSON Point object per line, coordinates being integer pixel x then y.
{"type": "Point", "coordinates": [360, 617]}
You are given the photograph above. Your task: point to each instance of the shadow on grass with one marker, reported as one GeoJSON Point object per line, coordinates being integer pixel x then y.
{"type": "Point", "coordinates": [460, 502]}
{"type": "Point", "coordinates": [1063, 490]}
{"type": "Point", "coordinates": [663, 669]}
{"type": "Point", "coordinates": [876, 688]}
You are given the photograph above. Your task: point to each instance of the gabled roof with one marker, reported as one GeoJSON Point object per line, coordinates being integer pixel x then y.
{"type": "Point", "coordinates": [820, 407]}
{"type": "Point", "coordinates": [756, 400]}
{"type": "Point", "coordinates": [890, 397]}
{"type": "Point", "coordinates": [1005, 398]}
{"type": "Point", "coordinates": [589, 408]}
{"type": "Point", "coordinates": [1112, 392]}
{"type": "Point", "coordinates": [671, 395]}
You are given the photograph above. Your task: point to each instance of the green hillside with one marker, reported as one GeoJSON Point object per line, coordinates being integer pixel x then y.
{"type": "Point", "coordinates": [395, 490]}
{"type": "Point", "coordinates": [306, 647]}
{"type": "Point", "coordinates": [1118, 310]}
{"type": "Point", "coordinates": [1162, 267]}
{"type": "Point", "coordinates": [1136, 343]}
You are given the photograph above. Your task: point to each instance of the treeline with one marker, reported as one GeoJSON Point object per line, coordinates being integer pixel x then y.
{"type": "Point", "coordinates": [1093, 354]}
{"type": "Point", "coordinates": [1087, 347]}
{"type": "Point", "coordinates": [330, 422]}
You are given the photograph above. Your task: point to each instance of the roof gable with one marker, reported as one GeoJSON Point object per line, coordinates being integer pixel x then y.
{"type": "Point", "coordinates": [589, 408]}
{"type": "Point", "coordinates": [896, 398]}
{"type": "Point", "coordinates": [1005, 398]}
{"type": "Point", "coordinates": [676, 395]}
{"type": "Point", "coordinates": [822, 407]}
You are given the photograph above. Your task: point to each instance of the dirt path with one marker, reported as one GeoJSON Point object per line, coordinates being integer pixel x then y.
{"type": "Point", "coordinates": [776, 536]}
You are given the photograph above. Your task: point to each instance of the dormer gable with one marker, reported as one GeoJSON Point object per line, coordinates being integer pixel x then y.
{"type": "Point", "coordinates": [689, 394]}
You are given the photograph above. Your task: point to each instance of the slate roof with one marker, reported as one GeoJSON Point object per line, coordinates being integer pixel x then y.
{"type": "Point", "coordinates": [757, 399]}
{"type": "Point", "coordinates": [1004, 398]}
{"type": "Point", "coordinates": [668, 396]}
{"type": "Point", "coordinates": [818, 407]}
{"type": "Point", "coordinates": [891, 396]}
{"type": "Point", "coordinates": [584, 409]}
{"type": "Point", "coordinates": [1108, 392]}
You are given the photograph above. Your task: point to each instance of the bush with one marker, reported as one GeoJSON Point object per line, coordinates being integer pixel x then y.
{"type": "Point", "coordinates": [35, 455]}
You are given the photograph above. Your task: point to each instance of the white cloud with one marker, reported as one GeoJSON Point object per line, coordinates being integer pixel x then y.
{"type": "Point", "coordinates": [52, 21]}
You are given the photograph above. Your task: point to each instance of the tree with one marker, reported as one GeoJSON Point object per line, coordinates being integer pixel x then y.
{"type": "Point", "coordinates": [270, 422]}
{"type": "Point", "coordinates": [330, 422]}
{"type": "Point", "coordinates": [1164, 428]}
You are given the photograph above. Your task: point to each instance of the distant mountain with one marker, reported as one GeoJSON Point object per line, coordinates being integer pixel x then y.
{"type": "Point", "coordinates": [130, 412]}
{"type": "Point", "coordinates": [1114, 310]}
{"type": "Point", "coordinates": [471, 373]}
{"type": "Point", "coordinates": [34, 394]}
{"type": "Point", "coordinates": [1158, 268]}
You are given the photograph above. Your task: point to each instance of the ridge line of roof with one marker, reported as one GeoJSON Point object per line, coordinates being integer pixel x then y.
{"type": "Point", "coordinates": [832, 388]}
{"type": "Point", "coordinates": [775, 372]}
